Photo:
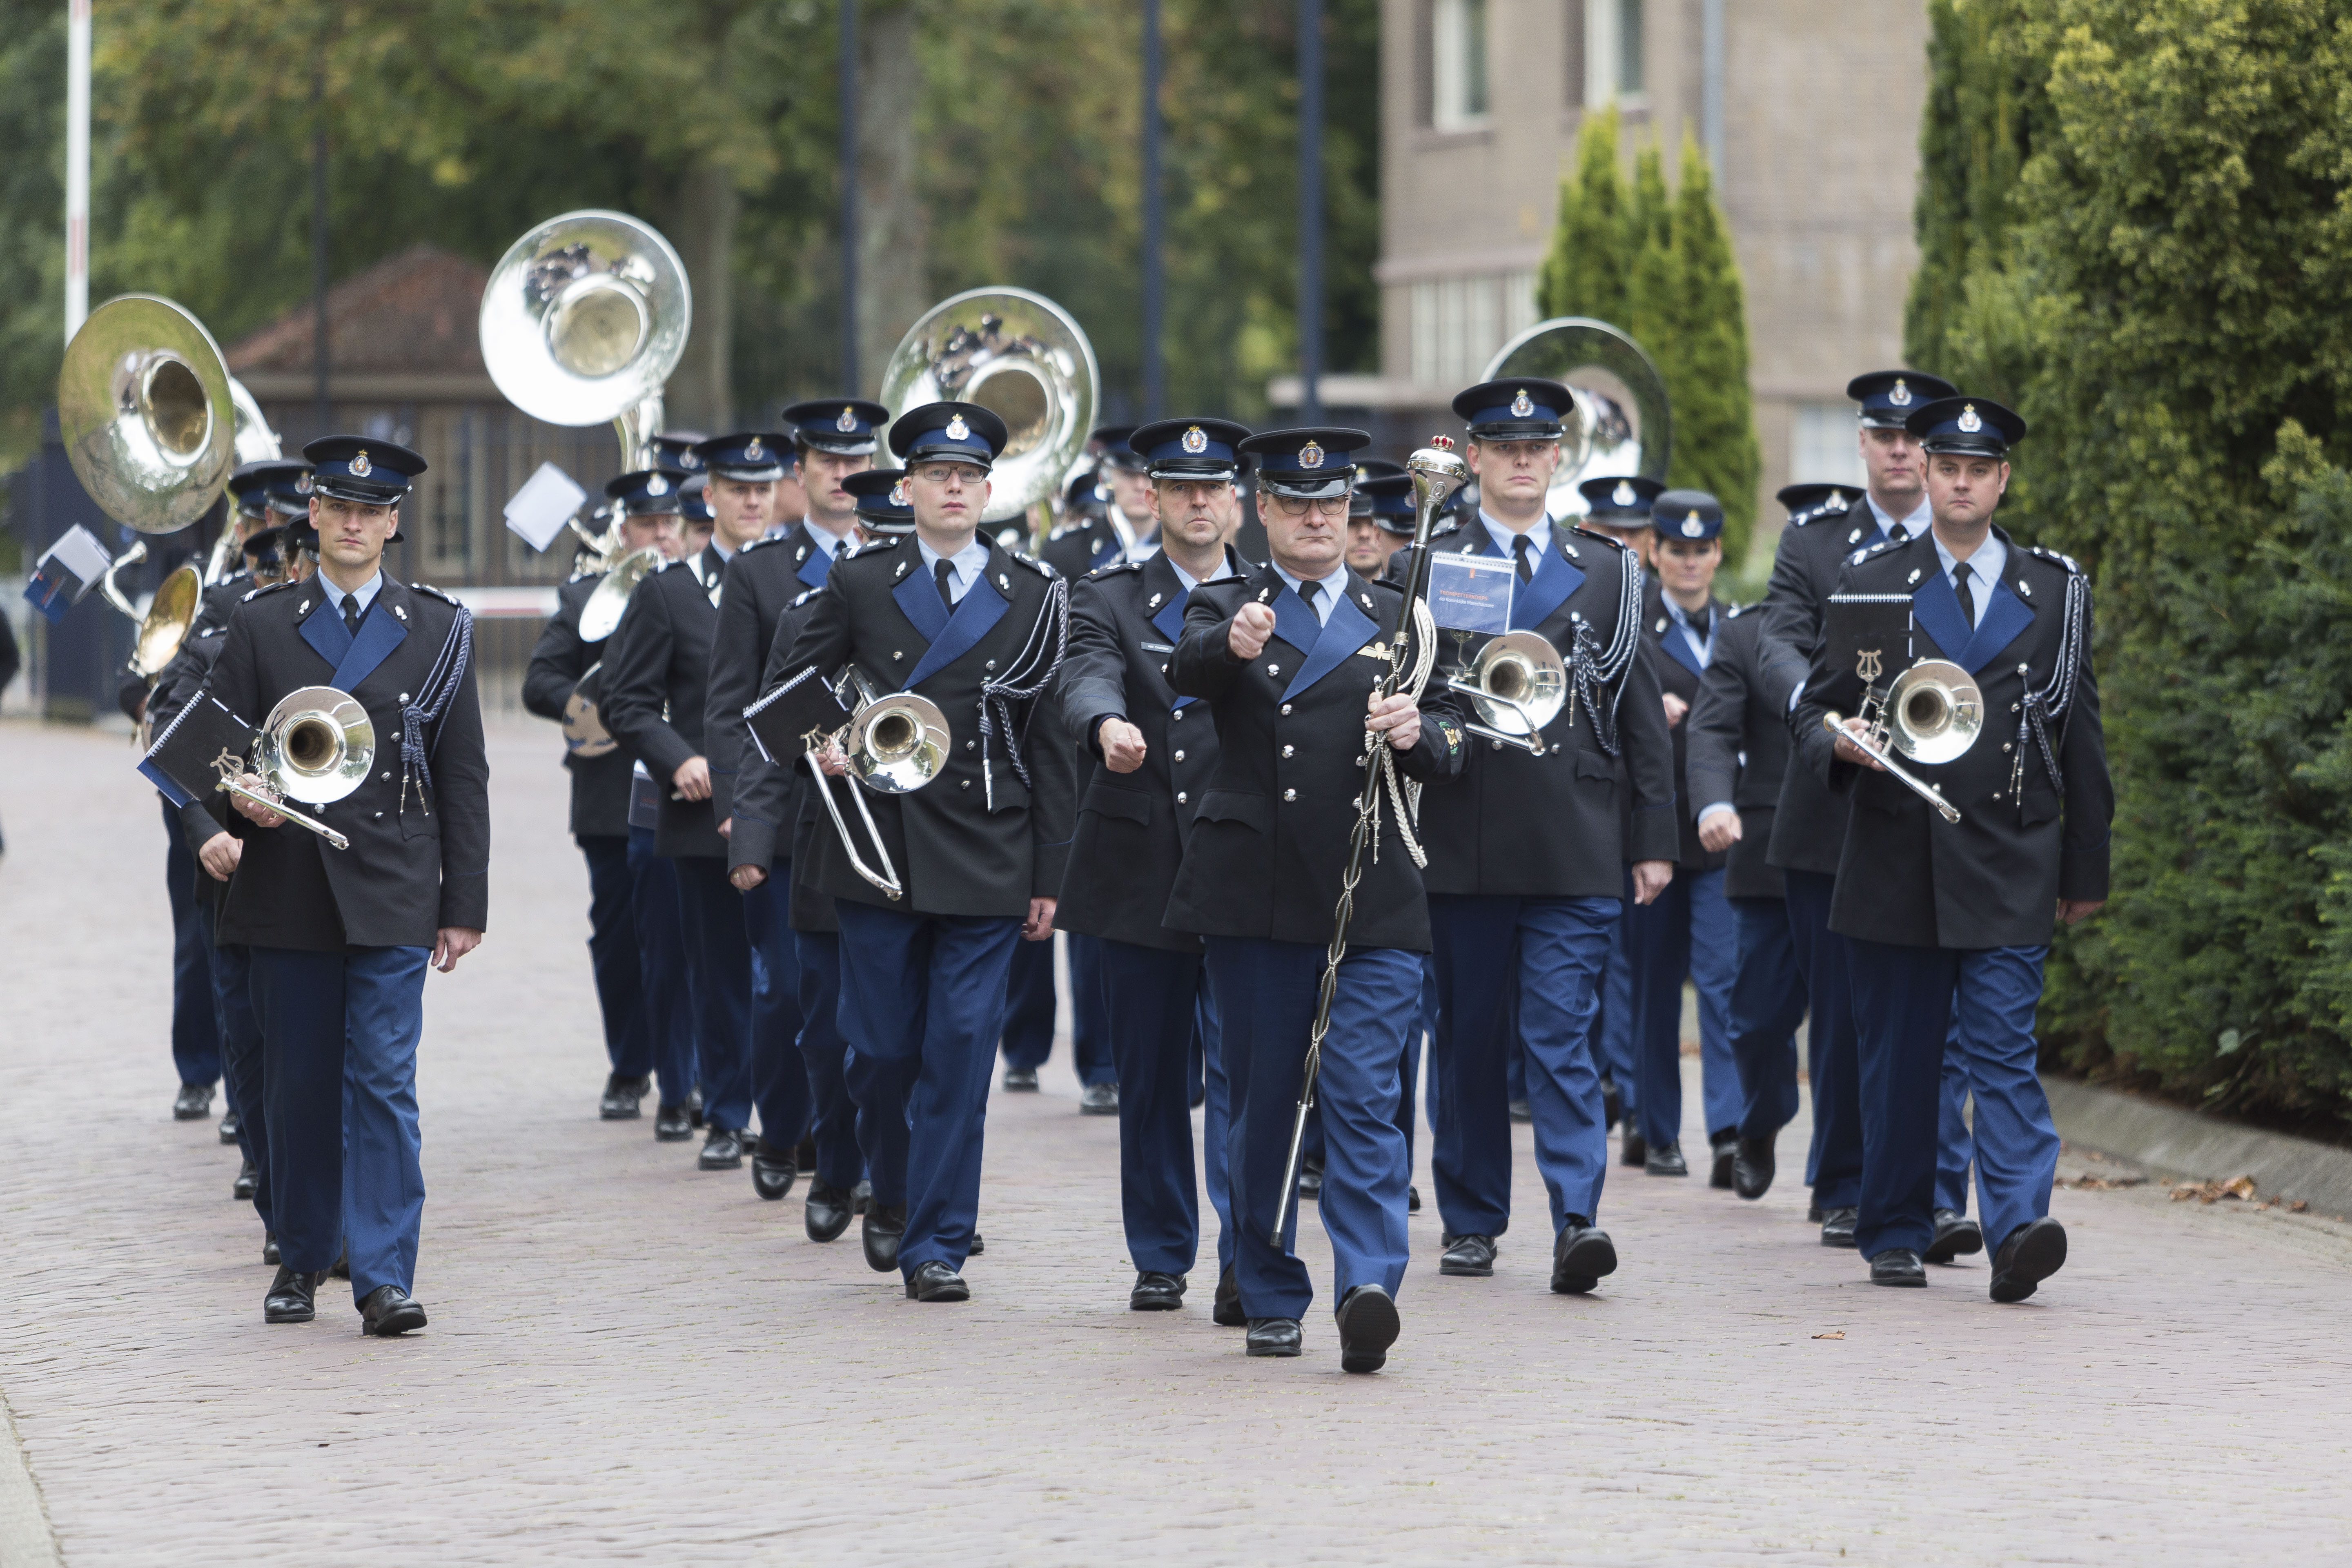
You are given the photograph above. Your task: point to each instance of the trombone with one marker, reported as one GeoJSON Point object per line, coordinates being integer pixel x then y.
{"type": "Point", "coordinates": [1932, 713]}
{"type": "Point", "coordinates": [316, 748]}
{"type": "Point", "coordinates": [894, 745]}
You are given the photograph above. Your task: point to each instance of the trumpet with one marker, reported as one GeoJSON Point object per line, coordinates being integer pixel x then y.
{"type": "Point", "coordinates": [316, 748]}
{"type": "Point", "coordinates": [1933, 713]}
{"type": "Point", "coordinates": [895, 745]}
{"type": "Point", "coordinates": [1517, 685]}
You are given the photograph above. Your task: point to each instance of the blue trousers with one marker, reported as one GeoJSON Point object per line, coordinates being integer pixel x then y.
{"type": "Point", "coordinates": [1556, 949]}
{"type": "Point", "coordinates": [196, 1026]}
{"type": "Point", "coordinates": [779, 1078]}
{"type": "Point", "coordinates": [339, 1034]}
{"type": "Point", "coordinates": [1613, 1029]}
{"type": "Point", "coordinates": [922, 999]}
{"type": "Point", "coordinates": [1422, 1047]}
{"type": "Point", "coordinates": [718, 967]}
{"type": "Point", "coordinates": [826, 1056]}
{"type": "Point", "coordinates": [614, 957]}
{"type": "Point", "coordinates": [1908, 1002]}
{"type": "Point", "coordinates": [1031, 1007]}
{"type": "Point", "coordinates": [241, 1073]}
{"type": "Point", "coordinates": [1685, 931]}
{"type": "Point", "coordinates": [1952, 1141]}
{"type": "Point", "coordinates": [1266, 993]}
{"type": "Point", "coordinates": [1834, 1164]}
{"type": "Point", "coordinates": [1152, 997]}
{"type": "Point", "coordinates": [668, 988]}
{"type": "Point", "coordinates": [1768, 1002]}
{"type": "Point", "coordinates": [1216, 1114]}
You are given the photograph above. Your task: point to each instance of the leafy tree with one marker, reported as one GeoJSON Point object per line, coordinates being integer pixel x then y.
{"type": "Point", "coordinates": [1706, 358]}
{"type": "Point", "coordinates": [1589, 272]}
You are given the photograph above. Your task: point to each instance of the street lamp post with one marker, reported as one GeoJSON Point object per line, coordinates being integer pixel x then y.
{"type": "Point", "coordinates": [1155, 276]}
{"type": "Point", "coordinates": [848, 70]}
{"type": "Point", "coordinates": [1311, 210]}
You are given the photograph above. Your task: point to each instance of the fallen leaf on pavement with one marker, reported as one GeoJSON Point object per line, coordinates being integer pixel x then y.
{"type": "Point", "coordinates": [1832, 1334]}
{"type": "Point", "coordinates": [2237, 1187]}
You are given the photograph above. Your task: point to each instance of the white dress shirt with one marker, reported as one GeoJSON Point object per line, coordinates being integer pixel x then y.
{"type": "Point", "coordinates": [964, 567]}
{"type": "Point", "coordinates": [1327, 591]}
{"type": "Point", "coordinates": [1984, 572]}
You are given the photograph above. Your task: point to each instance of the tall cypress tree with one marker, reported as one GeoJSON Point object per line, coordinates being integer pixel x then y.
{"type": "Point", "coordinates": [1589, 269]}
{"type": "Point", "coordinates": [1704, 357]}
{"type": "Point", "coordinates": [1650, 300]}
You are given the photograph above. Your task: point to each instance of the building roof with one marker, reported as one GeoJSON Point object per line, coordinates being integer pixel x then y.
{"type": "Point", "coordinates": [410, 314]}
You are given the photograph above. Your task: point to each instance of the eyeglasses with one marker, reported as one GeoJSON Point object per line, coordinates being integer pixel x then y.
{"type": "Point", "coordinates": [1325, 506]}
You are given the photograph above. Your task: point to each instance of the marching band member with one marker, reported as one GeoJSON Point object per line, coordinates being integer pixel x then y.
{"type": "Point", "coordinates": [832, 439]}
{"type": "Point", "coordinates": [1528, 854]}
{"type": "Point", "coordinates": [1686, 933]}
{"type": "Point", "coordinates": [978, 631]}
{"type": "Point", "coordinates": [1122, 527]}
{"type": "Point", "coordinates": [648, 502]}
{"type": "Point", "coordinates": [1290, 659]}
{"type": "Point", "coordinates": [656, 703]}
{"type": "Point", "coordinates": [1951, 922]}
{"type": "Point", "coordinates": [340, 939]}
{"type": "Point", "coordinates": [1148, 755]}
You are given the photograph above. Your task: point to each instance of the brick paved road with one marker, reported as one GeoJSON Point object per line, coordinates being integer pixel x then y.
{"type": "Point", "coordinates": [628, 1359]}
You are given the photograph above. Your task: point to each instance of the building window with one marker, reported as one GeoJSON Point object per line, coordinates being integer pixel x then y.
{"type": "Point", "coordinates": [1822, 448]}
{"type": "Point", "coordinates": [1612, 52]}
{"type": "Point", "coordinates": [1459, 322]}
{"type": "Point", "coordinates": [1458, 56]}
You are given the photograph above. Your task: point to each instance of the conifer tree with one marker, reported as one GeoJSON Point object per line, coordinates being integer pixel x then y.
{"type": "Point", "coordinates": [1589, 269]}
{"type": "Point", "coordinates": [1704, 354]}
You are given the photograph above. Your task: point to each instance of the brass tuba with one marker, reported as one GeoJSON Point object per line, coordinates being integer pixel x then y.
{"type": "Point", "coordinates": [164, 622]}
{"type": "Point", "coordinates": [1020, 356]}
{"type": "Point", "coordinates": [1622, 423]}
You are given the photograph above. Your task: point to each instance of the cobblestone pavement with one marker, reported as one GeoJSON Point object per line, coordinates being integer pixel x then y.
{"type": "Point", "coordinates": [632, 1360]}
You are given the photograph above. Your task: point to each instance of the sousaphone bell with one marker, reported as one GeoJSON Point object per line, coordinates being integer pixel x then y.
{"type": "Point", "coordinates": [1621, 423]}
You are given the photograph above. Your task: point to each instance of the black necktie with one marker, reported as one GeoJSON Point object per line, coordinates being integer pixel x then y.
{"type": "Point", "coordinates": [1967, 600]}
{"type": "Point", "coordinates": [1526, 549]}
{"type": "Point", "coordinates": [1307, 592]}
{"type": "Point", "coordinates": [352, 614]}
{"type": "Point", "coordinates": [943, 573]}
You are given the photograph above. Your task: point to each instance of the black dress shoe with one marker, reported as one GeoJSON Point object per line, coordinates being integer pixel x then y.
{"type": "Point", "coordinates": [827, 1213]}
{"type": "Point", "coordinates": [861, 1197]}
{"type": "Point", "coordinates": [694, 1107]}
{"type": "Point", "coordinates": [1665, 1159]}
{"type": "Point", "coordinates": [1751, 1167]}
{"type": "Point", "coordinates": [388, 1311]}
{"type": "Point", "coordinates": [1956, 1234]}
{"type": "Point", "coordinates": [935, 1281]}
{"type": "Point", "coordinates": [804, 1156]}
{"type": "Point", "coordinates": [1156, 1292]}
{"type": "Point", "coordinates": [1581, 1255]}
{"type": "Point", "coordinates": [230, 1126]}
{"type": "Point", "coordinates": [1725, 1149]}
{"type": "Point", "coordinates": [1813, 1213]}
{"type": "Point", "coordinates": [270, 1247]}
{"type": "Point", "coordinates": [1099, 1099]}
{"type": "Point", "coordinates": [1020, 1080]}
{"type": "Point", "coordinates": [1310, 1181]}
{"type": "Point", "coordinates": [885, 1224]}
{"type": "Point", "coordinates": [1612, 1105]}
{"type": "Point", "coordinates": [292, 1297]}
{"type": "Point", "coordinates": [1898, 1266]}
{"type": "Point", "coordinates": [672, 1124]}
{"type": "Point", "coordinates": [1472, 1256]}
{"type": "Point", "coordinates": [193, 1103]}
{"type": "Point", "coordinates": [1226, 1309]}
{"type": "Point", "coordinates": [247, 1180]}
{"type": "Point", "coordinates": [343, 1269]}
{"type": "Point", "coordinates": [1522, 1111]}
{"type": "Point", "coordinates": [2034, 1252]}
{"type": "Point", "coordinates": [774, 1170]}
{"type": "Point", "coordinates": [1412, 1199]}
{"type": "Point", "coordinates": [1273, 1336]}
{"type": "Point", "coordinates": [978, 1245]}
{"type": "Point", "coordinates": [1837, 1226]}
{"type": "Point", "coordinates": [1367, 1327]}
{"type": "Point", "coordinates": [1632, 1150]}
{"type": "Point", "coordinates": [621, 1096]}
{"type": "Point", "coordinates": [722, 1150]}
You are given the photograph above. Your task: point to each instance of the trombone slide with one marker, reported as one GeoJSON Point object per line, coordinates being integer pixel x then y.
{"type": "Point", "coordinates": [892, 888]}
{"type": "Point", "coordinates": [1879, 754]}
{"type": "Point", "coordinates": [287, 812]}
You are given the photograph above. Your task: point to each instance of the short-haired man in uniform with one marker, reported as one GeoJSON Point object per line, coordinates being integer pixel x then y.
{"type": "Point", "coordinates": [832, 439]}
{"type": "Point", "coordinates": [656, 690]}
{"type": "Point", "coordinates": [1119, 530]}
{"type": "Point", "coordinates": [1528, 854]}
{"type": "Point", "coordinates": [648, 503]}
{"type": "Point", "coordinates": [979, 851]}
{"type": "Point", "coordinates": [1149, 754]}
{"type": "Point", "coordinates": [1290, 660]}
{"type": "Point", "coordinates": [1951, 922]}
{"type": "Point", "coordinates": [1808, 828]}
{"type": "Point", "coordinates": [340, 939]}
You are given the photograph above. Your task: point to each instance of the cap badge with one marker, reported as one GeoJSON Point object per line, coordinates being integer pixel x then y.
{"type": "Point", "coordinates": [657, 486]}
{"type": "Point", "coordinates": [1901, 395]}
{"type": "Point", "coordinates": [690, 458]}
{"type": "Point", "coordinates": [1196, 440]}
{"type": "Point", "coordinates": [302, 485]}
{"type": "Point", "coordinates": [1623, 494]}
{"type": "Point", "coordinates": [847, 423]}
{"type": "Point", "coordinates": [1970, 420]}
{"type": "Point", "coordinates": [1522, 406]}
{"type": "Point", "coordinates": [957, 430]}
{"type": "Point", "coordinates": [898, 492]}
{"type": "Point", "coordinates": [1692, 526]}
{"type": "Point", "coordinates": [753, 451]}
{"type": "Point", "coordinates": [1310, 455]}
{"type": "Point", "coordinates": [361, 466]}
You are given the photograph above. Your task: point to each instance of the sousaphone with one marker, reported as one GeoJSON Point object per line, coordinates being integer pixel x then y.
{"type": "Point", "coordinates": [1622, 423]}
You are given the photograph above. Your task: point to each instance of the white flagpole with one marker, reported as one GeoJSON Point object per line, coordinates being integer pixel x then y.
{"type": "Point", "coordinates": [77, 165]}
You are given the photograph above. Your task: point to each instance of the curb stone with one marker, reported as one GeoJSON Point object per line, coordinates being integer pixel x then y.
{"type": "Point", "coordinates": [26, 1538]}
{"type": "Point", "coordinates": [2175, 1143]}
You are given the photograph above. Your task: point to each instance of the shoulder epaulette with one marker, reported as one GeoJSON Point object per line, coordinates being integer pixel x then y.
{"type": "Point", "coordinates": [2073, 567]}
{"type": "Point", "coordinates": [1066, 528]}
{"type": "Point", "coordinates": [1733, 612]}
{"type": "Point", "coordinates": [803, 596]}
{"type": "Point", "coordinates": [1881, 548]}
{"type": "Point", "coordinates": [1030, 561]}
{"type": "Point", "coordinates": [763, 539]}
{"type": "Point", "coordinates": [252, 594]}
{"type": "Point", "coordinates": [675, 561]}
{"type": "Point", "coordinates": [1451, 525]}
{"type": "Point", "coordinates": [426, 588]}
{"type": "Point", "coordinates": [880, 546]}
{"type": "Point", "coordinates": [1594, 534]}
{"type": "Point", "coordinates": [1114, 569]}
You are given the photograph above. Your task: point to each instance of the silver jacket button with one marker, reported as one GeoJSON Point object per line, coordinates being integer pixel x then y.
{"type": "Point", "coordinates": [1180, 756]}
{"type": "Point", "coordinates": [1287, 751]}
{"type": "Point", "coordinates": [1274, 669]}
{"type": "Point", "coordinates": [967, 784]}
{"type": "Point", "coordinates": [1182, 798]}
{"type": "Point", "coordinates": [1286, 710]}
{"type": "Point", "coordinates": [1179, 715]}
{"type": "Point", "coordinates": [1290, 795]}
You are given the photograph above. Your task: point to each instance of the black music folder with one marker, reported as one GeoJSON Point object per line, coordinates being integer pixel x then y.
{"type": "Point", "coordinates": [1869, 635]}
{"type": "Point", "coordinates": [784, 720]}
{"type": "Point", "coordinates": [179, 762]}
